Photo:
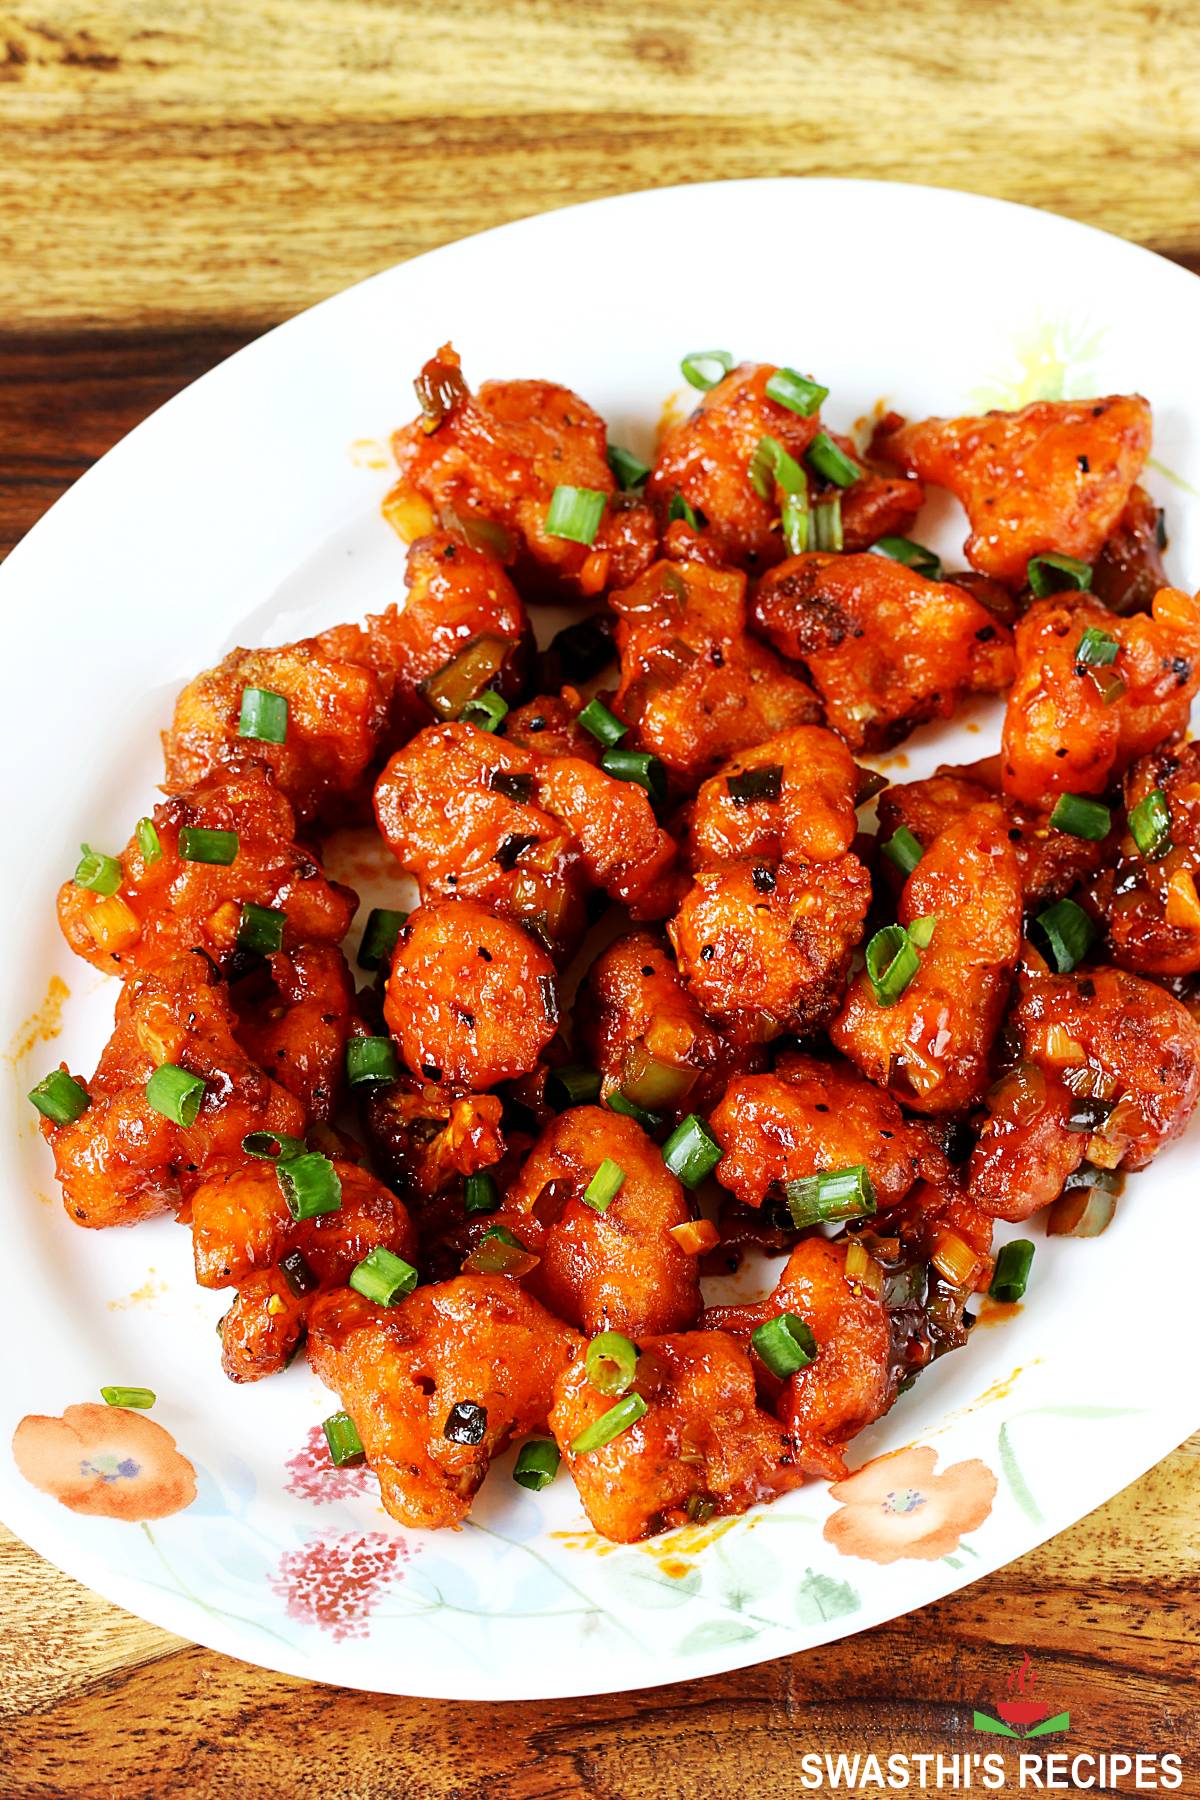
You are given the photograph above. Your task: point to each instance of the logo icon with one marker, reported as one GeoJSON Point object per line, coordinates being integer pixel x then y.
{"type": "Point", "coordinates": [1021, 1716]}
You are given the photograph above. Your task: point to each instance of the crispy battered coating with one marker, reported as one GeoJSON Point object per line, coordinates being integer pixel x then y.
{"type": "Point", "coordinates": [806, 1117]}
{"type": "Point", "coordinates": [617, 1270]}
{"type": "Point", "coordinates": [1115, 1076]}
{"type": "Point", "coordinates": [294, 1015]}
{"type": "Point", "coordinates": [1056, 475]}
{"type": "Point", "coordinates": [693, 684]}
{"type": "Point", "coordinates": [886, 648]}
{"type": "Point", "coordinates": [638, 1025]}
{"type": "Point", "coordinates": [487, 465]}
{"type": "Point", "coordinates": [1151, 906]}
{"type": "Point", "coordinates": [122, 1161]}
{"type": "Point", "coordinates": [549, 724]}
{"type": "Point", "coordinates": [623, 848]}
{"type": "Point", "coordinates": [703, 1447]}
{"type": "Point", "coordinates": [471, 998]}
{"type": "Point", "coordinates": [241, 1232]}
{"type": "Point", "coordinates": [425, 1141]}
{"type": "Point", "coordinates": [767, 949]}
{"type": "Point", "coordinates": [930, 1049]}
{"type": "Point", "coordinates": [804, 811]}
{"type": "Point", "coordinates": [852, 1380]}
{"type": "Point", "coordinates": [1071, 727]}
{"type": "Point", "coordinates": [166, 905]}
{"type": "Point", "coordinates": [400, 1371]}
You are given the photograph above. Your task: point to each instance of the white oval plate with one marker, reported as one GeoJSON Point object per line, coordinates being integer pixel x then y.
{"type": "Point", "coordinates": [241, 513]}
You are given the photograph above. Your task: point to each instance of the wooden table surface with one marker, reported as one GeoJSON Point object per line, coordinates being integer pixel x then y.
{"type": "Point", "coordinates": [175, 178]}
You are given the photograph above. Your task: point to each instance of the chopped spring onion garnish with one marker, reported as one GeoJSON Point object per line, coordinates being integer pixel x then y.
{"type": "Point", "coordinates": [466, 1423]}
{"type": "Point", "coordinates": [903, 849]}
{"type": "Point", "coordinates": [630, 470]}
{"type": "Point", "coordinates": [1095, 649]}
{"type": "Point", "coordinates": [794, 523]}
{"type": "Point", "coordinates": [611, 1362]}
{"type": "Point", "coordinates": [892, 958]}
{"type": "Point", "coordinates": [536, 1464]}
{"type": "Point", "coordinates": [583, 649]}
{"type": "Point", "coordinates": [604, 725]}
{"type": "Point", "coordinates": [99, 873]}
{"type": "Point", "coordinates": [825, 458]}
{"type": "Point", "coordinates": [345, 1446]}
{"type": "Point", "coordinates": [480, 1194]}
{"type": "Point", "coordinates": [264, 716]}
{"type": "Point", "coordinates": [826, 532]}
{"type": "Point", "coordinates": [785, 1344]}
{"type": "Point", "coordinates": [575, 513]}
{"type": "Point", "coordinates": [704, 368]}
{"type": "Point", "coordinates": [140, 1398]}
{"type": "Point", "coordinates": [370, 1059]}
{"type": "Point", "coordinates": [604, 1186]}
{"type": "Point", "coordinates": [149, 842]}
{"type": "Point", "coordinates": [913, 556]}
{"type": "Point", "coordinates": [379, 937]}
{"type": "Point", "coordinates": [771, 466]}
{"type": "Point", "coordinates": [1080, 817]}
{"type": "Point", "coordinates": [572, 1086]}
{"type": "Point", "coordinates": [1011, 1276]}
{"type": "Point", "coordinates": [1082, 1212]}
{"type": "Point", "coordinates": [679, 509]}
{"type": "Point", "coordinates": [763, 783]}
{"type": "Point", "coordinates": [383, 1277]}
{"type": "Point", "coordinates": [60, 1098]}
{"type": "Point", "coordinates": [261, 928]}
{"type": "Point", "coordinates": [833, 1194]}
{"type": "Point", "coordinates": [272, 1146]}
{"type": "Point", "coordinates": [638, 766]}
{"type": "Point", "coordinates": [198, 844]}
{"type": "Point", "coordinates": [500, 1252]}
{"type": "Point", "coordinates": [921, 931]}
{"type": "Point", "coordinates": [175, 1093]}
{"type": "Point", "coordinates": [629, 1109]}
{"type": "Point", "coordinates": [310, 1184]}
{"type": "Point", "coordinates": [1051, 573]}
{"type": "Point", "coordinates": [609, 1425]}
{"type": "Point", "coordinates": [1067, 933]}
{"type": "Point", "coordinates": [1150, 825]}
{"type": "Point", "coordinates": [799, 393]}
{"type": "Point", "coordinates": [486, 711]}
{"type": "Point", "coordinates": [296, 1272]}
{"type": "Point", "coordinates": [691, 1152]}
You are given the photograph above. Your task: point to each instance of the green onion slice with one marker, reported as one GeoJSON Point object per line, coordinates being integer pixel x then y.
{"type": "Point", "coordinates": [892, 961]}
{"type": "Point", "coordinates": [604, 725]}
{"type": "Point", "coordinates": [1011, 1275]}
{"type": "Point", "coordinates": [704, 368]}
{"type": "Point", "coordinates": [904, 849]}
{"type": "Point", "coordinates": [264, 716]}
{"type": "Point", "coordinates": [762, 783]}
{"type": "Point", "coordinates": [1150, 825]}
{"type": "Point", "coordinates": [630, 471]}
{"type": "Point", "coordinates": [629, 1109]}
{"type": "Point", "coordinates": [272, 1146]}
{"type": "Point", "coordinates": [679, 509]}
{"type": "Point", "coordinates": [824, 458]}
{"type": "Point", "coordinates": [575, 513]}
{"type": "Point", "coordinates": [175, 1093]}
{"type": "Point", "coordinates": [799, 393]}
{"type": "Point", "coordinates": [1051, 573]}
{"type": "Point", "coordinates": [826, 533]}
{"type": "Point", "coordinates": [60, 1098]}
{"type": "Point", "coordinates": [794, 523]}
{"type": "Point", "coordinates": [345, 1445]}
{"type": "Point", "coordinates": [198, 844]}
{"type": "Point", "coordinates": [920, 932]}
{"type": "Point", "coordinates": [1066, 932]}
{"type": "Point", "coordinates": [371, 1059]}
{"type": "Point", "coordinates": [604, 1186]}
{"type": "Point", "coordinates": [260, 928]}
{"type": "Point", "coordinates": [611, 1362]}
{"type": "Point", "coordinates": [310, 1185]}
{"type": "Point", "coordinates": [383, 1277]}
{"type": "Point", "coordinates": [1080, 817]}
{"type": "Point", "coordinates": [691, 1152]}
{"type": "Point", "coordinates": [572, 1086]}
{"type": "Point", "coordinates": [1096, 649]}
{"type": "Point", "coordinates": [833, 1194]}
{"type": "Point", "coordinates": [914, 556]}
{"type": "Point", "coordinates": [640, 767]}
{"type": "Point", "coordinates": [149, 842]}
{"type": "Point", "coordinates": [486, 711]}
{"type": "Point", "coordinates": [771, 464]}
{"type": "Point", "coordinates": [99, 873]}
{"type": "Point", "coordinates": [785, 1344]}
{"type": "Point", "coordinates": [537, 1464]}
{"type": "Point", "coordinates": [480, 1194]}
{"type": "Point", "coordinates": [379, 937]}
{"type": "Point", "coordinates": [138, 1397]}
{"type": "Point", "coordinates": [609, 1425]}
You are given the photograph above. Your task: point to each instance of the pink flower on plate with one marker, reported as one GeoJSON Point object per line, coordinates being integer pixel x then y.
{"type": "Point", "coordinates": [312, 1475]}
{"type": "Point", "coordinates": [336, 1582]}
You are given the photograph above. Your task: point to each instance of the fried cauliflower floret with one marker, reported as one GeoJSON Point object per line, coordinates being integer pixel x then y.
{"type": "Point", "coordinates": [615, 1270]}
{"type": "Point", "coordinates": [167, 904]}
{"type": "Point", "coordinates": [930, 1047]}
{"type": "Point", "coordinates": [1151, 903]}
{"type": "Point", "coordinates": [487, 464]}
{"type": "Point", "coordinates": [294, 1015]}
{"type": "Point", "coordinates": [806, 1117]}
{"type": "Point", "coordinates": [425, 1141]}
{"type": "Point", "coordinates": [636, 1023]}
{"type": "Point", "coordinates": [887, 649]}
{"type": "Point", "coordinates": [1108, 1072]}
{"type": "Point", "coordinates": [471, 998]}
{"type": "Point", "coordinates": [244, 1237]}
{"type": "Point", "coordinates": [695, 688]}
{"type": "Point", "coordinates": [1056, 475]}
{"type": "Point", "coordinates": [703, 1447]}
{"type": "Point", "coordinates": [791, 799]}
{"type": "Point", "coordinates": [438, 1384]}
{"type": "Point", "coordinates": [1073, 724]}
{"type": "Point", "coordinates": [851, 1381]}
{"type": "Point", "coordinates": [122, 1161]}
{"type": "Point", "coordinates": [549, 724]}
{"type": "Point", "coordinates": [766, 948]}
